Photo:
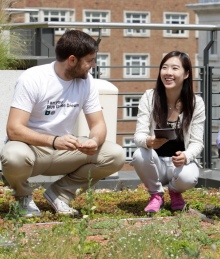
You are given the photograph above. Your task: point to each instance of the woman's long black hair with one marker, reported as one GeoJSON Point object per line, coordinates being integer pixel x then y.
{"type": "Point", "coordinates": [187, 96]}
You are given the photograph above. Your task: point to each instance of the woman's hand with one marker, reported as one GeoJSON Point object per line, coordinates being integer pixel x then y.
{"type": "Point", "coordinates": [155, 143]}
{"type": "Point", "coordinates": [179, 159]}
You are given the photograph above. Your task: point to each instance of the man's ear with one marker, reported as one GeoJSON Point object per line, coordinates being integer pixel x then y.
{"type": "Point", "coordinates": [72, 60]}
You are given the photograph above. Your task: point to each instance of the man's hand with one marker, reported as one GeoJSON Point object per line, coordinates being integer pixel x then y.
{"type": "Point", "coordinates": [89, 147]}
{"type": "Point", "coordinates": [67, 142]}
{"type": "Point", "coordinates": [179, 159]}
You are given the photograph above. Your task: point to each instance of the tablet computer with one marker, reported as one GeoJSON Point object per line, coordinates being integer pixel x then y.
{"type": "Point", "coordinates": [168, 133]}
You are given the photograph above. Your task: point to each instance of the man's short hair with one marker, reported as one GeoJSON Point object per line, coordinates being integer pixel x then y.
{"type": "Point", "coordinates": [75, 42]}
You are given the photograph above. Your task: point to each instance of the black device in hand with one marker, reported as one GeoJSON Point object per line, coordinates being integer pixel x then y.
{"type": "Point", "coordinates": [168, 133]}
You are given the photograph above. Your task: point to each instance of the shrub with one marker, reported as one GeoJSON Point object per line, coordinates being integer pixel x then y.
{"type": "Point", "coordinates": [11, 45]}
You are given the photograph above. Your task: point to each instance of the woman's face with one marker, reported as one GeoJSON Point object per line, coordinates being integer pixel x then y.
{"type": "Point", "coordinates": [173, 74]}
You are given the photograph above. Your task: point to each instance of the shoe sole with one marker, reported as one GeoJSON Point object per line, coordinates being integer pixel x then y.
{"type": "Point", "coordinates": [31, 215]}
{"type": "Point", "coordinates": [180, 209]}
{"type": "Point", "coordinates": [152, 211]}
{"type": "Point", "coordinates": [50, 201]}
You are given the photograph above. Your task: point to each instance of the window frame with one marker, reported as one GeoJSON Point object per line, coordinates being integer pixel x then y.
{"type": "Point", "coordinates": [176, 35]}
{"type": "Point", "coordinates": [107, 74]}
{"type": "Point", "coordinates": [69, 16]}
{"type": "Point", "coordinates": [105, 32]}
{"type": "Point", "coordinates": [130, 107]}
{"type": "Point", "coordinates": [147, 69]}
{"type": "Point", "coordinates": [136, 34]}
{"type": "Point", "coordinates": [129, 148]}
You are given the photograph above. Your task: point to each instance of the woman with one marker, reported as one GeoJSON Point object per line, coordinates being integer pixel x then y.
{"type": "Point", "coordinates": [159, 161]}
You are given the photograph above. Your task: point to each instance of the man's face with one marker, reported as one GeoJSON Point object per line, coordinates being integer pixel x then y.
{"type": "Point", "coordinates": [81, 67]}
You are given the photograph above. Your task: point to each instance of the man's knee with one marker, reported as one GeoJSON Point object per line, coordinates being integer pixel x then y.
{"type": "Point", "coordinates": [119, 156]}
{"type": "Point", "coordinates": [17, 155]}
{"type": "Point", "coordinates": [112, 156]}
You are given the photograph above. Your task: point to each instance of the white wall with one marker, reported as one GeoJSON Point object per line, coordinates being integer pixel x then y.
{"type": "Point", "coordinates": [7, 82]}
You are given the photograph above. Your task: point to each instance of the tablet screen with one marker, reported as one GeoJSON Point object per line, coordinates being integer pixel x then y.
{"type": "Point", "coordinates": [168, 133]}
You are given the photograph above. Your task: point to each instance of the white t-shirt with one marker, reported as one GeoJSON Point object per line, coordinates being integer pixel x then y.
{"type": "Point", "coordinates": [54, 104]}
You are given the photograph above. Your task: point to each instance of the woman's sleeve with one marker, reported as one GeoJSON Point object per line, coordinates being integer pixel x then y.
{"type": "Point", "coordinates": [143, 120]}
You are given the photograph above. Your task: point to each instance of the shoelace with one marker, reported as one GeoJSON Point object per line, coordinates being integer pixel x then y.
{"type": "Point", "coordinates": [65, 206]}
{"type": "Point", "coordinates": [28, 201]}
{"type": "Point", "coordinates": [154, 197]}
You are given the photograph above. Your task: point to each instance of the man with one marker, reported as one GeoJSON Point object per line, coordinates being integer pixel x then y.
{"type": "Point", "coordinates": [46, 103]}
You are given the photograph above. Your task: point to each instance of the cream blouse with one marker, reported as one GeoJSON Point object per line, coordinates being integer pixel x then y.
{"type": "Point", "coordinates": [193, 139]}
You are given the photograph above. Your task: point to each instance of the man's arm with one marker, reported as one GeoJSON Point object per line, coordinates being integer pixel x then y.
{"type": "Point", "coordinates": [17, 129]}
{"type": "Point", "coordinates": [97, 134]}
{"type": "Point", "coordinates": [97, 127]}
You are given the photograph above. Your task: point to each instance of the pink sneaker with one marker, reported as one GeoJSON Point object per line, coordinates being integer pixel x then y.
{"type": "Point", "coordinates": [155, 203]}
{"type": "Point", "coordinates": [177, 201]}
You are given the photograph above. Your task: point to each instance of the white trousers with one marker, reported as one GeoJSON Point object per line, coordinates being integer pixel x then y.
{"type": "Point", "coordinates": [155, 172]}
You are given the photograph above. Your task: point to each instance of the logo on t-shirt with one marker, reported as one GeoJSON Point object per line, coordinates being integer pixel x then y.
{"type": "Point", "coordinates": [47, 112]}
{"type": "Point", "coordinates": [52, 106]}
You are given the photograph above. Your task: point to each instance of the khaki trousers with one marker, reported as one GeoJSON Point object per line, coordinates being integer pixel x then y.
{"type": "Point", "coordinates": [21, 161]}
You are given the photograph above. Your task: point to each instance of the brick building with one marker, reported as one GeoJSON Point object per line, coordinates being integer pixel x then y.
{"type": "Point", "coordinates": [123, 47]}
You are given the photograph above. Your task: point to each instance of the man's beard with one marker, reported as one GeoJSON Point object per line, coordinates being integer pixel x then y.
{"type": "Point", "coordinates": [76, 72]}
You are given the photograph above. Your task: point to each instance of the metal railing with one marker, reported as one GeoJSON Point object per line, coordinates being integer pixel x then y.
{"type": "Point", "coordinates": [205, 79]}
{"type": "Point", "coordinates": [209, 1]}
{"type": "Point", "coordinates": [200, 91]}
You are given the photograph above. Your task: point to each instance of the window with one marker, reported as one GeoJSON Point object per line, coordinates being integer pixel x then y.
{"type": "Point", "coordinates": [103, 61]}
{"type": "Point", "coordinates": [131, 110]}
{"type": "Point", "coordinates": [96, 16]}
{"type": "Point", "coordinates": [129, 147]}
{"type": "Point", "coordinates": [136, 65]}
{"type": "Point", "coordinates": [175, 18]}
{"type": "Point", "coordinates": [34, 17]}
{"type": "Point", "coordinates": [137, 17]}
{"type": "Point", "coordinates": [45, 15]}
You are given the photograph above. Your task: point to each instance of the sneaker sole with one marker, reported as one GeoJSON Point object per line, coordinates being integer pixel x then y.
{"type": "Point", "coordinates": [179, 208]}
{"type": "Point", "coordinates": [152, 211]}
{"type": "Point", "coordinates": [49, 200]}
{"type": "Point", "coordinates": [31, 215]}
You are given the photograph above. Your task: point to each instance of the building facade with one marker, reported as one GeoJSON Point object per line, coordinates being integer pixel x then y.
{"type": "Point", "coordinates": [208, 12]}
{"type": "Point", "coordinates": [127, 57]}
